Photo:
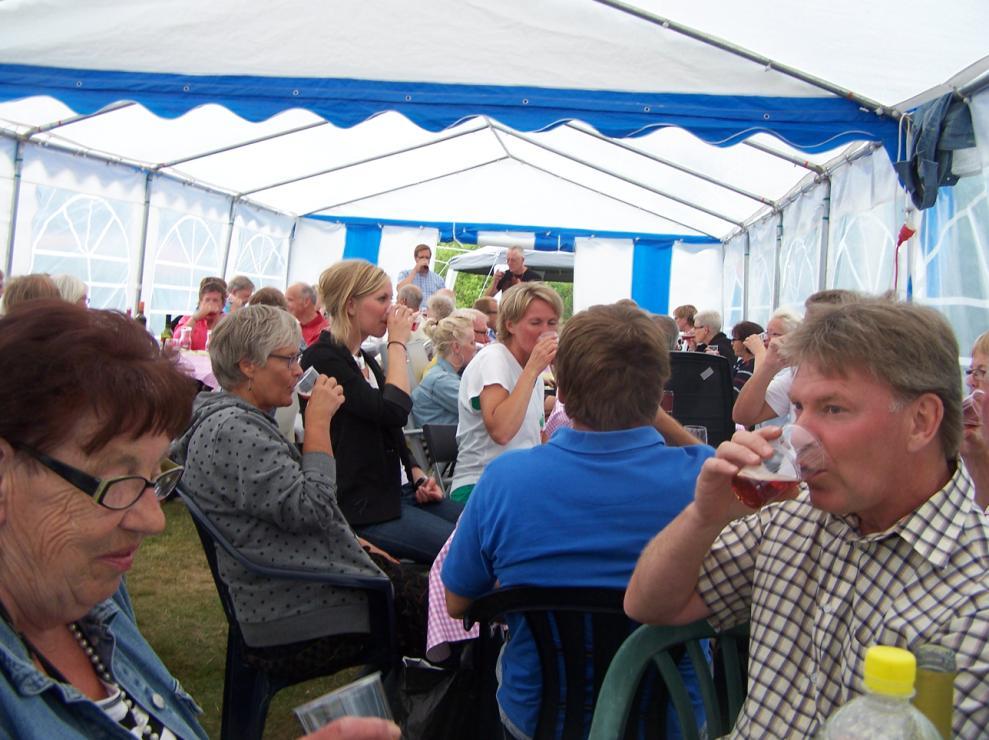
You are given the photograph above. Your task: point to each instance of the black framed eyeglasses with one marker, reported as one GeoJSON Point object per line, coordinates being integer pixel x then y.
{"type": "Point", "coordinates": [979, 373]}
{"type": "Point", "coordinates": [289, 359]}
{"type": "Point", "coordinates": [119, 492]}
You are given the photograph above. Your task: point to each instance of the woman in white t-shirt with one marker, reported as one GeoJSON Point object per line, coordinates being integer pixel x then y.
{"type": "Point", "coordinates": [501, 392]}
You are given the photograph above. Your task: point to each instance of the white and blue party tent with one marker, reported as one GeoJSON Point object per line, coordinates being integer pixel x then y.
{"type": "Point", "coordinates": [736, 156]}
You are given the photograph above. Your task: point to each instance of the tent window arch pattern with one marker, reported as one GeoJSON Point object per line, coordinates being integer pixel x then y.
{"type": "Point", "coordinates": [82, 235]}
{"type": "Point", "coordinates": [862, 245]}
{"type": "Point", "coordinates": [734, 282]}
{"type": "Point", "coordinates": [188, 252]}
{"type": "Point", "coordinates": [261, 257]}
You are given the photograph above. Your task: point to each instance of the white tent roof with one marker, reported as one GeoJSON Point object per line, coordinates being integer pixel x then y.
{"type": "Point", "coordinates": [387, 74]}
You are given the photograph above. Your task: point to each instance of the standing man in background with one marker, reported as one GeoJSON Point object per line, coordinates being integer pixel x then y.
{"type": "Point", "coordinates": [517, 273]}
{"type": "Point", "coordinates": [421, 276]}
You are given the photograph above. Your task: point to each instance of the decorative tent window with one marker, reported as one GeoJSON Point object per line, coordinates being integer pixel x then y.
{"type": "Point", "coordinates": [82, 235]}
{"type": "Point", "coordinates": [261, 257]}
{"type": "Point", "coordinates": [798, 271]}
{"type": "Point", "coordinates": [734, 282]}
{"type": "Point", "coordinates": [188, 252]}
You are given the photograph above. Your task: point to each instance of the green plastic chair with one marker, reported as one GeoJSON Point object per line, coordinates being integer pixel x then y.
{"type": "Point", "coordinates": [653, 645]}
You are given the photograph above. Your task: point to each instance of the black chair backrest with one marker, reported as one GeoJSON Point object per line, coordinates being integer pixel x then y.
{"type": "Point", "coordinates": [575, 629]}
{"type": "Point", "coordinates": [441, 442]}
{"type": "Point", "coordinates": [379, 588]}
{"type": "Point", "coordinates": [702, 393]}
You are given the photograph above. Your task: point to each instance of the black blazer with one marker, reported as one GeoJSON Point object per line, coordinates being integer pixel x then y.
{"type": "Point", "coordinates": [723, 344]}
{"type": "Point", "coordinates": [367, 434]}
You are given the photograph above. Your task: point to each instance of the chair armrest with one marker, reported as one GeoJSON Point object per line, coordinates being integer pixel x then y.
{"type": "Point", "coordinates": [369, 583]}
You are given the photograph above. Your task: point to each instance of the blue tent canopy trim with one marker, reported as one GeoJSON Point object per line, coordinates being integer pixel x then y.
{"type": "Point", "coordinates": [813, 124]}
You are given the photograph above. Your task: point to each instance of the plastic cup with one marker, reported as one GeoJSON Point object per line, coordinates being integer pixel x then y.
{"type": "Point", "coordinates": [362, 698]}
{"type": "Point", "coordinates": [972, 408]}
{"type": "Point", "coordinates": [697, 431]}
{"type": "Point", "coordinates": [797, 455]}
{"type": "Point", "coordinates": [307, 382]}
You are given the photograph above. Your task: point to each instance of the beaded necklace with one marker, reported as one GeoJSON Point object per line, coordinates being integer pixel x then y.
{"type": "Point", "coordinates": [152, 729]}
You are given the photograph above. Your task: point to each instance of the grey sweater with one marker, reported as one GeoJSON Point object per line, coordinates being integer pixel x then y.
{"type": "Point", "coordinates": [277, 507]}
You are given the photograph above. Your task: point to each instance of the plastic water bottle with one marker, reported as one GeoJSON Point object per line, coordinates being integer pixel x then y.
{"type": "Point", "coordinates": [884, 712]}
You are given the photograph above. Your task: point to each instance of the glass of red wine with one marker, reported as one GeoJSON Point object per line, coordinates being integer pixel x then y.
{"type": "Point", "coordinates": [797, 455]}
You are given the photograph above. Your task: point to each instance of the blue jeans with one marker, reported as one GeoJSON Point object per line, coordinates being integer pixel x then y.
{"type": "Point", "coordinates": [419, 533]}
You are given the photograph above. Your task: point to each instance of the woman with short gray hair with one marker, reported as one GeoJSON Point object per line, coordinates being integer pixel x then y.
{"type": "Point", "coordinates": [276, 505]}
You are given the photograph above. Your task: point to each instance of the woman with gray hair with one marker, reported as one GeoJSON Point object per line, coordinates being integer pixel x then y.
{"type": "Point", "coordinates": [276, 505]}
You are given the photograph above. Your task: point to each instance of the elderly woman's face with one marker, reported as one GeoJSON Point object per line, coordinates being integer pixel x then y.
{"type": "Point", "coordinates": [274, 382]}
{"type": "Point", "coordinates": [63, 552]}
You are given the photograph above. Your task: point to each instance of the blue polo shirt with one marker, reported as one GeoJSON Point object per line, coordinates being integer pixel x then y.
{"type": "Point", "coordinates": [576, 511]}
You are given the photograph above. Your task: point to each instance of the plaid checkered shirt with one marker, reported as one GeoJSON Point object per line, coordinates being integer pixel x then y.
{"type": "Point", "coordinates": [428, 283]}
{"type": "Point", "coordinates": [818, 594]}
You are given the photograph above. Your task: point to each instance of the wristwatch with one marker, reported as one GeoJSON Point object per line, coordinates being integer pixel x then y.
{"type": "Point", "coordinates": [419, 481]}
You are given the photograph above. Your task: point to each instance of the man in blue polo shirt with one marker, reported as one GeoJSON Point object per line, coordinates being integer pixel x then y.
{"type": "Point", "coordinates": [421, 276]}
{"type": "Point", "coordinates": [578, 510]}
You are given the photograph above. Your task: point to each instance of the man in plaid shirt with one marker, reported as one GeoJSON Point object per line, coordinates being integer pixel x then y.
{"type": "Point", "coordinates": [885, 545]}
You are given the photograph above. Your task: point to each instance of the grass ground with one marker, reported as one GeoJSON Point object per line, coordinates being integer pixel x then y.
{"type": "Point", "coordinates": [179, 613]}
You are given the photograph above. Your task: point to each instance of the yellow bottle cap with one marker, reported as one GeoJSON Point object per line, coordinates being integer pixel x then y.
{"type": "Point", "coordinates": [890, 671]}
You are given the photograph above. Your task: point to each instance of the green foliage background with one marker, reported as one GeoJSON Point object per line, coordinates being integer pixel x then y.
{"type": "Point", "coordinates": [469, 287]}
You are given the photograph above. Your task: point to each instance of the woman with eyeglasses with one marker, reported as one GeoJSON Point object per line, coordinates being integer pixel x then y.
{"type": "Point", "coordinates": [90, 406]}
{"type": "Point", "coordinates": [382, 491]}
{"type": "Point", "coordinates": [276, 505]}
{"type": "Point", "coordinates": [975, 442]}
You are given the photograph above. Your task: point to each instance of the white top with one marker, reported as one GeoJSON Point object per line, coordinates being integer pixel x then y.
{"type": "Point", "coordinates": [493, 365]}
{"type": "Point", "coordinates": [778, 397]}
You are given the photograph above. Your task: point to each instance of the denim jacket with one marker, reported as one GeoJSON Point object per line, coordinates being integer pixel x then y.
{"type": "Point", "coordinates": [32, 705]}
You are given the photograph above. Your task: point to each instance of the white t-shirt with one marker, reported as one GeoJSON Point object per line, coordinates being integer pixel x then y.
{"type": "Point", "coordinates": [778, 398]}
{"type": "Point", "coordinates": [493, 365]}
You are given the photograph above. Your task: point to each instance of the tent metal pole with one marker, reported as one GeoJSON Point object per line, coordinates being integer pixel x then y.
{"type": "Point", "coordinates": [142, 255]}
{"type": "Point", "coordinates": [822, 270]}
{"type": "Point", "coordinates": [613, 197]}
{"type": "Point", "coordinates": [230, 234]}
{"type": "Point", "coordinates": [805, 163]}
{"type": "Point", "coordinates": [776, 272]}
{"type": "Point", "coordinates": [630, 181]}
{"type": "Point", "coordinates": [679, 167]}
{"type": "Point", "coordinates": [745, 275]}
{"type": "Point", "coordinates": [366, 160]}
{"type": "Point", "coordinates": [45, 128]}
{"type": "Point", "coordinates": [15, 197]}
{"type": "Point", "coordinates": [404, 187]}
{"type": "Point", "coordinates": [494, 131]}
{"type": "Point", "coordinates": [290, 249]}
{"type": "Point", "coordinates": [239, 145]}
{"type": "Point", "coordinates": [769, 64]}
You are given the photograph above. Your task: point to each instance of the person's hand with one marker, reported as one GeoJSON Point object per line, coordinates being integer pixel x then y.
{"type": "Point", "coordinates": [399, 323]}
{"type": "Point", "coordinates": [772, 357]}
{"type": "Point", "coordinates": [499, 274]}
{"type": "Point", "coordinates": [327, 396]}
{"type": "Point", "coordinates": [428, 491]}
{"type": "Point", "coordinates": [975, 440]}
{"type": "Point", "coordinates": [543, 353]}
{"type": "Point", "coordinates": [714, 500]}
{"type": "Point", "coordinates": [712, 350]}
{"type": "Point", "coordinates": [357, 728]}
{"type": "Point", "coordinates": [754, 344]}
{"type": "Point", "coordinates": [376, 550]}
{"type": "Point", "coordinates": [422, 264]}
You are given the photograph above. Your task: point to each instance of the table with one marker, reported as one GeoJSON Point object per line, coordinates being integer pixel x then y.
{"type": "Point", "coordinates": [196, 364]}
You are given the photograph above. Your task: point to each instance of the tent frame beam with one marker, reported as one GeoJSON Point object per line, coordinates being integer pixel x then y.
{"type": "Point", "coordinates": [239, 145]}
{"type": "Point", "coordinates": [614, 197]}
{"type": "Point", "coordinates": [769, 64]}
{"type": "Point", "coordinates": [630, 181]}
{"type": "Point", "coordinates": [673, 165]}
{"type": "Point", "coordinates": [366, 160]}
{"type": "Point", "coordinates": [404, 187]}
